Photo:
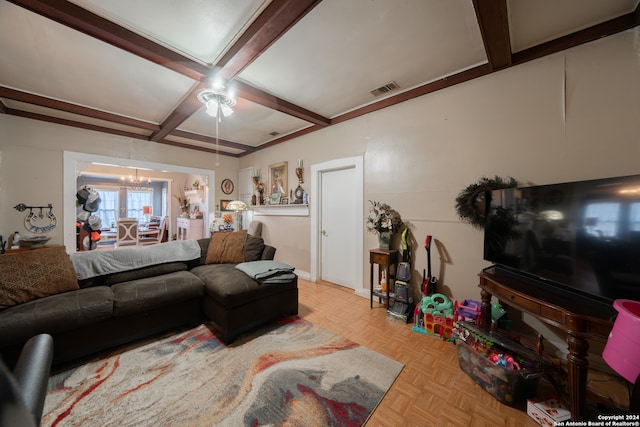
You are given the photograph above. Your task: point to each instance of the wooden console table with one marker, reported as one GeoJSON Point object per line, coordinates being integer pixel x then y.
{"type": "Point", "coordinates": [571, 315]}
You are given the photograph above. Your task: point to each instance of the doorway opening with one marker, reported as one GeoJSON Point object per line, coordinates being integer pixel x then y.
{"type": "Point", "coordinates": [79, 166]}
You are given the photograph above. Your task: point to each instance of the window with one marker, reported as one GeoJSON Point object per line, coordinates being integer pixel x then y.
{"type": "Point", "coordinates": [136, 199]}
{"type": "Point", "coordinates": [634, 217]}
{"type": "Point", "coordinates": [165, 202]}
{"type": "Point", "coordinates": [108, 207]}
{"type": "Point", "coordinates": [602, 219]}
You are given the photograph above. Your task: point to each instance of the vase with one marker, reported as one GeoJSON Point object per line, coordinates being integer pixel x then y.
{"type": "Point", "coordinates": [384, 239]}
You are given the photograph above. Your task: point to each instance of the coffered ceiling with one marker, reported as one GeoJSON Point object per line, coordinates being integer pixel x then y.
{"type": "Point", "coordinates": [134, 68]}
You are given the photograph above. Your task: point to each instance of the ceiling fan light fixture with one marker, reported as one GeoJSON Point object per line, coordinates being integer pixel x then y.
{"type": "Point", "coordinates": [217, 101]}
{"type": "Point", "coordinates": [226, 110]}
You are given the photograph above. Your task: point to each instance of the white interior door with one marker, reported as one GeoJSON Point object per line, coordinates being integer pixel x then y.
{"type": "Point", "coordinates": [337, 224]}
{"type": "Point", "coordinates": [328, 188]}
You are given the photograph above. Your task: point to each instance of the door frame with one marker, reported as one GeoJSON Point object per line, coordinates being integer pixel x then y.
{"type": "Point", "coordinates": [317, 170]}
{"type": "Point", "coordinates": [75, 162]}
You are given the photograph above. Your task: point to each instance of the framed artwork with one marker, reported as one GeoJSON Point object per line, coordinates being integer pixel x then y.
{"type": "Point", "coordinates": [284, 200]}
{"type": "Point", "coordinates": [224, 204]}
{"type": "Point", "coordinates": [227, 186]}
{"type": "Point", "coordinates": [278, 178]}
{"type": "Point", "coordinates": [275, 198]}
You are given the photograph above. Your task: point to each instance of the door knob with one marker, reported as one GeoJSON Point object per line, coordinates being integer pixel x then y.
{"type": "Point", "coordinates": [324, 233]}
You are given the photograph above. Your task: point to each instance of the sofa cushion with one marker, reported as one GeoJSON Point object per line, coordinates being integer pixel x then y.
{"type": "Point", "coordinates": [254, 250]}
{"type": "Point", "coordinates": [226, 247]}
{"type": "Point", "coordinates": [141, 273]}
{"type": "Point", "coordinates": [25, 276]}
{"type": "Point", "coordinates": [141, 295]}
{"type": "Point", "coordinates": [233, 288]}
{"type": "Point", "coordinates": [57, 313]}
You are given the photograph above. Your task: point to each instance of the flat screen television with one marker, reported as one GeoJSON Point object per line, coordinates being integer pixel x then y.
{"type": "Point", "coordinates": [578, 239]}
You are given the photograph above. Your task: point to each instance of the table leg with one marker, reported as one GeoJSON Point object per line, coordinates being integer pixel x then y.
{"type": "Point", "coordinates": [371, 287]}
{"type": "Point", "coordinates": [577, 366]}
{"type": "Point", "coordinates": [485, 308]}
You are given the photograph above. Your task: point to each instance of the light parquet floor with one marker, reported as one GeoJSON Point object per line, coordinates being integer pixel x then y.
{"type": "Point", "coordinates": [431, 390]}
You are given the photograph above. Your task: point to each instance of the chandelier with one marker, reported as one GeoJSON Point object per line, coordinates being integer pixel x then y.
{"type": "Point", "coordinates": [136, 183]}
{"type": "Point", "coordinates": [218, 103]}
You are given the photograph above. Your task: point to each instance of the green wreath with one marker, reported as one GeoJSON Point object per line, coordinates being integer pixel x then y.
{"type": "Point", "coordinates": [470, 201]}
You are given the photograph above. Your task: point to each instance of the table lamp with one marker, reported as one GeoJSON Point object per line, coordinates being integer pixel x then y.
{"type": "Point", "coordinates": [622, 351]}
{"type": "Point", "coordinates": [237, 206]}
{"type": "Point", "coordinates": [146, 211]}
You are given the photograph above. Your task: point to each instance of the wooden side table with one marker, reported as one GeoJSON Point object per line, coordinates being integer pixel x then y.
{"type": "Point", "coordinates": [385, 258]}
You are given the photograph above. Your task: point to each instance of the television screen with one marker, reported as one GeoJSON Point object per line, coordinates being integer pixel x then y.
{"type": "Point", "coordinates": [578, 237]}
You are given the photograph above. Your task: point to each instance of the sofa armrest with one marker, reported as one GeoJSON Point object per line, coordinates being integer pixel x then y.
{"type": "Point", "coordinates": [268, 253]}
{"type": "Point", "coordinates": [32, 372]}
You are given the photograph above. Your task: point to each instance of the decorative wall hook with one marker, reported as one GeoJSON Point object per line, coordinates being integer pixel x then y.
{"type": "Point", "coordinates": [38, 222]}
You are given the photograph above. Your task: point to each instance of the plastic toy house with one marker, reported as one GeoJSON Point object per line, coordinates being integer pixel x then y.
{"type": "Point", "coordinates": [435, 316]}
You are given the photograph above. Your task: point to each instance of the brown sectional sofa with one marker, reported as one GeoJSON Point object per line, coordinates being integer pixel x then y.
{"type": "Point", "coordinates": [111, 309]}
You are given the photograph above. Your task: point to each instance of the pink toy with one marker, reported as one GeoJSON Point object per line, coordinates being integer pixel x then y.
{"type": "Point", "coordinates": [505, 361]}
{"type": "Point", "coordinates": [469, 310]}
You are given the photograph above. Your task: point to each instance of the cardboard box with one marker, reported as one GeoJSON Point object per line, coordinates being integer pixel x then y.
{"type": "Point", "coordinates": [548, 410]}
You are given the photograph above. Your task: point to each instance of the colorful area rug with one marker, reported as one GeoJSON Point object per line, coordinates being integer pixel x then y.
{"type": "Point", "coordinates": [293, 373]}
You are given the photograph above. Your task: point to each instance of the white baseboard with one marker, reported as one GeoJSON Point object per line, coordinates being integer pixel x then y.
{"type": "Point", "coordinates": [303, 274]}
{"type": "Point", "coordinates": [364, 293]}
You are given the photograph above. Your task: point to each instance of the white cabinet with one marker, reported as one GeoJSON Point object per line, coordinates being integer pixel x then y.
{"type": "Point", "coordinates": [189, 229]}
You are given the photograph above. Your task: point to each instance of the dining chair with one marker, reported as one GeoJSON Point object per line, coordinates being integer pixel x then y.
{"type": "Point", "coordinates": [154, 240]}
{"type": "Point", "coordinates": [127, 232]}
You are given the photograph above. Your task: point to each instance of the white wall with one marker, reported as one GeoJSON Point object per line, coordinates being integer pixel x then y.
{"type": "Point", "coordinates": [570, 116]}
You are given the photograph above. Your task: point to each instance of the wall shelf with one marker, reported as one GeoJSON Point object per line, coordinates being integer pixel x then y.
{"type": "Point", "coordinates": [280, 210]}
{"type": "Point", "coordinates": [195, 196]}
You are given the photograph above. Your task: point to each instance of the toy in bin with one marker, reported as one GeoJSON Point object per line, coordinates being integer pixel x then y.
{"type": "Point", "coordinates": [504, 368]}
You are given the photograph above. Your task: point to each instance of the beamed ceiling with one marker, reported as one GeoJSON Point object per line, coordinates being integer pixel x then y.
{"type": "Point", "coordinates": [134, 68]}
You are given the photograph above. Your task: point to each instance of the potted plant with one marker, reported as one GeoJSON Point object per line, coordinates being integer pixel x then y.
{"type": "Point", "coordinates": [185, 204]}
{"type": "Point", "coordinates": [383, 221]}
{"type": "Point", "coordinates": [228, 220]}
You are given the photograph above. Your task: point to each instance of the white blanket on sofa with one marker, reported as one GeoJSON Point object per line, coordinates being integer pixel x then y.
{"type": "Point", "coordinates": [97, 263]}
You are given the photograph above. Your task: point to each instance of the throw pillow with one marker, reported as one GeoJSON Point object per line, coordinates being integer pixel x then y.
{"type": "Point", "coordinates": [226, 248]}
{"type": "Point", "coordinates": [25, 276]}
{"type": "Point", "coordinates": [253, 248]}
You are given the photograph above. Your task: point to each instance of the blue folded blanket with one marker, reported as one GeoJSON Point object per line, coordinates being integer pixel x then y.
{"type": "Point", "coordinates": [267, 271]}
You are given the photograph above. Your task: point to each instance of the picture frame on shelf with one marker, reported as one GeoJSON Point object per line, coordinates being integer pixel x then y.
{"type": "Point", "coordinates": [278, 173]}
{"type": "Point", "coordinates": [284, 200]}
{"type": "Point", "coordinates": [224, 204]}
{"type": "Point", "coordinates": [275, 198]}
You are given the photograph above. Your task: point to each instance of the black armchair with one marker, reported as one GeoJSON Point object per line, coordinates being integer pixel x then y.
{"type": "Point", "coordinates": [22, 392]}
